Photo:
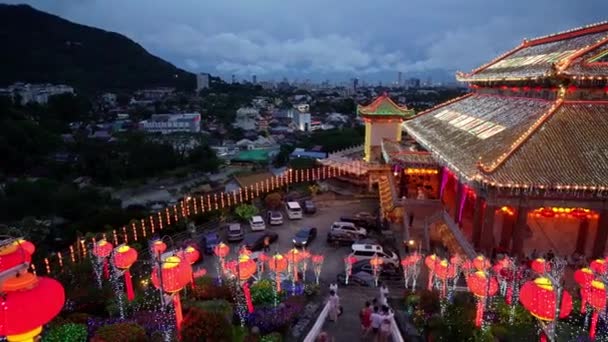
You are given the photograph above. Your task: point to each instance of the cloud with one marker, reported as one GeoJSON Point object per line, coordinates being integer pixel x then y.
{"type": "Point", "coordinates": [317, 38]}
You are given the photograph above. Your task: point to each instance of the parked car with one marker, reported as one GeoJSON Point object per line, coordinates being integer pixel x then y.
{"type": "Point", "coordinates": [209, 241]}
{"type": "Point", "coordinates": [362, 274]}
{"type": "Point", "coordinates": [360, 278]}
{"type": "Point", "coordinates": [341, 238]}
{"type": "Point", "coordinates": [386, 271]}
{"type": "Point", "coordinates": [235, 232]}
{"type": "Point", "coordinates": [348, 227]}
{"type": "Point", "coordinates": [255, 241]}
{"type": "Point", "coordinates": [257, 223]}
{"type": "Point", "coordinates": [294, 211]}
{"type": "Point", "coordinates": [309, 207]}
{"type": "Point", "coordinates": [274, 218]}
{"type": "Point", "coordinates": [304, 237]}
{"type": "Point", "coordinates": [366, 252]}
{"type": "Point", "coordinates": [361, 222]}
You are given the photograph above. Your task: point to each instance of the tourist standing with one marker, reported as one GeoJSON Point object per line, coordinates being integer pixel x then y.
{"type": "Point", "coordinates": [383, 295]}
{"type": "Point", "coordinates": [376, 319]}
{"type": "Point", "coordinates": [385, 329]}
{"type": "Point", "coordinates": [334, 306]}
{"type": "Point", "coordinates": [365, 315]}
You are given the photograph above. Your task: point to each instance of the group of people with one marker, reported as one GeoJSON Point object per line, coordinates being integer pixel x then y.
{"type": "Point", "coordinates": [375, 316]}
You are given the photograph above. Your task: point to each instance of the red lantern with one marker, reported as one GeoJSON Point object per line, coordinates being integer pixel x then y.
{"type": "Point", "coordinates": [221, 250]}
{"type": "Point", "coordinates": [481, 263]}
{"type": "Point", "coordinates": [431, 262]}
{"type": "Point", "coordinates": [244, 268]}
{"type": "Point", "coordinates": [540, 266]}
{"type": "Point", "coordinates": [599, 266]}
{"type": "Point", "coordinates": [102, 249]}
{"type": "Point", "coordinates": [317, 259]}
{"type": "Point", "coordinates": [538, 297]}
{"type": "Point", "coordinates": [583, 278]}
{"type": "Point", "coordinates": [28, 303]}
{"type": "Point", "coordinates": [175, 274]}
{"type": "Point", "coordinates": [405, 262]}
{"type": "Point", "coordinates": [482, 287]}
{"type": "Point", "coordinates": [16, 253]}
{"type": "Point", "coordinates": [445, 271]}
{"type": "Point", "coordinates": [158, 247]}
{"type": "Point", "coordinates": [124, 257]}
{"type": "Point", "coordinates": [191, 254]}
{"type": "Point", "coordinates": [596, 297]}
{"type": "Point", "coordinates": [277, 263]}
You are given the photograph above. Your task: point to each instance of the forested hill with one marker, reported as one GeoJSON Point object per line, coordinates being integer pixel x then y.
{"type": "Point", "coordinates": [39, 47]}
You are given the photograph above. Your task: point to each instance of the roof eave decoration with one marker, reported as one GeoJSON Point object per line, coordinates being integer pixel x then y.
{"type": "Point", "coordinates": [384, 106]}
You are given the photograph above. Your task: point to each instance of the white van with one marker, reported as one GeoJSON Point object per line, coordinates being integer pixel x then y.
{"type": "Point", "coordinates": [368, 251]}
{"type": "Point", "coordinates": [294, 211]}
{"type": "Point", "coordinates": [349, 228]}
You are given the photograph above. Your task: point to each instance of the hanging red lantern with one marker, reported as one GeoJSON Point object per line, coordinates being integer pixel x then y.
{"type": "Point", "coordinates": [481, 286]}
{"type": "Point", "coordinates": [16, 253]}
{"type": "Point", "coordinates": [317, 259]}
{"type": "Point", "coordinates": [456, 260]}
{"type": "Point", "coordinates": [221, 250]}
{"type": "Point", "coordinates": [244, 268]}
{"type": "Point", "coordinates": [538, 297]}
{"type": "Point", "coordinates": [28, 301]}
{"type": "Point", "coordinates": [173, 276]}
{"type": "Point", "coordinates": [596, 297]}
{"type": "Point", "coordinates": [158, 247]}
{"type": "Point", "coordinates": [540, 266]}
{"type": "Point", "coordinates": [191, 255]}
{"type": "Point", "coordinates": [405, 262]}
{"type": "Point", "coordinates": [481, 263]}
{"type": "Point", "coordinates": [124, 258]}
{"type": "Point", "coordinates": [599, 266]}
{"type": "Point", "coordinates": [277, 263]}
{"type": "Point", "coordinates": [102, 249]}
{"type": "Point", "coordinates": [445, 271]}
{"type": "Point", "coordinates": [431, 262]}
{"type": "Point", "coordinates": [583, 278]}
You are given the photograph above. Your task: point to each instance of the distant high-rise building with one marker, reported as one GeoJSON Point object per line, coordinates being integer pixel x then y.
{"type": "Point", "coordinates": [254, 79]}
{"type": "Point", "coordinates": [399, 79]}
{"type": "Point", "coordinates": [233, 79]}
{"type": "Point", "coordinates": [202, 81]}
{"type": "Point", "coordinates": [355, 84]}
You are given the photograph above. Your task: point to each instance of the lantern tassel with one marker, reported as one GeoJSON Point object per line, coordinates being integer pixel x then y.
{"type": "Point", "coordinates": [247, 293]}
{"type": "Point", "coordinates": [543, 337]}
{"type": "Point", "coordinates": [593, 325]}
{"type": "Point", "coordinates": [177, 303]}
{"type": "Point", "coordinates": [479, 315]}
{"type": "Point", "coordinates": [106, 269]}
{"type": "Point", "coordinates": [278, 282]}
{"type": "Point", "coordinates": [129, 286]}
{"type": "Point", "coordinates": [509, 294]}
{"type": "Point", "coordinates": [430, 284]}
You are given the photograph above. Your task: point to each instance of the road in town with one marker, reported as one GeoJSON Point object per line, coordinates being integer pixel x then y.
{"type": "Point", "coordinates": [327, 213]}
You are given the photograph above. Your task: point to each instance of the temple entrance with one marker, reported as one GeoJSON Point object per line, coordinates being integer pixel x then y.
{"type": "Point", "coordinates": [419, 183]}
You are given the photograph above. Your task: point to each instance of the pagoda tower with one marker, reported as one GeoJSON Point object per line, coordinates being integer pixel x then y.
{"type": "Point", "coordinates": [383, 119]}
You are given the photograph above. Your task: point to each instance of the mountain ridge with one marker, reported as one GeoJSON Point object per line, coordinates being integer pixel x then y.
{"type": "Point", "coordinates": [45, 48]}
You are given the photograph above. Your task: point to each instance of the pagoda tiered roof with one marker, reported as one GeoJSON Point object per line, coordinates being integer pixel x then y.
{"type": "Point", "coordinates": [383, 106]}
{"type": "Point", "coordinates": [576, 53]}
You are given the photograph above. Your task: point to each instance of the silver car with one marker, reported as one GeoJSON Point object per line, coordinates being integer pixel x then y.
{"type": "Point", "coordinates": [235, 232]}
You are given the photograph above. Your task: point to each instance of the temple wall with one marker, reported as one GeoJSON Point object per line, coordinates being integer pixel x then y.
{"type": "Point", "coordinates": [382, 130]}
{"type": "Point", "coordinates": [557, 234]}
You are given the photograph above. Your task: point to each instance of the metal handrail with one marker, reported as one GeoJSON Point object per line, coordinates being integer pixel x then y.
{"type": "Point", "coordinates": [462, 240]}
{"type": "Point", "coordinates": [316, 328]}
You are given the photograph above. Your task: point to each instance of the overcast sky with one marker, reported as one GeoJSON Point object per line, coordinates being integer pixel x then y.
{"type": "Point", "coordinates": [335, 39]}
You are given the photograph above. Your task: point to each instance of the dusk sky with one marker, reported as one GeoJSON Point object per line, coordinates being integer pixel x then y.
{"type": "Point", "coordinates": [328, 39]}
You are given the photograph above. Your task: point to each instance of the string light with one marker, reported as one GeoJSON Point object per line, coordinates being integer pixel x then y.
{"type": "Point", "coordinates": [151, 218]}
{"type": "Point", "coordinates": [143, 228]}
{"type": "Point", "coordinates": [124, 231]}
{"type": "Point", "coordinates": [215, 200]}
{"type": "Point", "coordinates": [60, 258]}
{"type": "Point", "coordinates": [47, 265]}
{"type": "Point", "coordinates": [134, 231]}
{"type": "Point", "coordinates": [222, 200]}
{"type": "Point", "coordinates": [208, 202]}
{"type": "Point", "coordinates": [160, 221]}
{"type": "Point", "coordinates": [72, 254]}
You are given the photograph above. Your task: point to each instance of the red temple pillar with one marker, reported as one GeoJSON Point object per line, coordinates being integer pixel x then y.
{"type": "Point", "coordinates": [508, 223]}
{"type": "Point", "coordinates": [581, 239]}
{"type": "Point", "coordinates": [480, 205]}
{"type": "Point", "coordinates": [517, 246]}
{"type": "Point", "coordinates": [459, 193]}
{"type": "Point", "coordinates": [602, 234]}
{"type": "Point", "coordinates": [487, 234]}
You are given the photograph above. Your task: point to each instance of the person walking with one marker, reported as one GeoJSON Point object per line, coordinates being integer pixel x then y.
{"type": "Point", "coordinates": [376, 321]}
{"type": "Point", "coordinates": [383, 295]}
{"type": "Point", "coordinates": [266, 244]}
{"type": "Point", "coordinates": [334, 306]}
{"type": "Point", "coordinates": [365, 315]}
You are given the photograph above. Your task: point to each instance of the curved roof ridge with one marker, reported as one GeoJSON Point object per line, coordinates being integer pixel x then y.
{"type": "Point", "coordinates": [571, 33]}
{"type": "Point", "coordinates": [444, 104]}
{"type": "Point", "coordinates": [521, 140]}
{"type": "Point", "coordinates": [384, 99]}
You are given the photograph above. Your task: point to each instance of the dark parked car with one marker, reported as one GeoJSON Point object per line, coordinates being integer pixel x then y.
{"type": "Point", "coordinates": [309, 207]}
{"type": "Point", "coordinates": [362, 274]}
{"type": "Point", "coordinates": [341, 238]}
{"type": "Point", "coordinates": [235, 232]}
{"type": "Point", "coordinates": [304, 237]}
{"type": "Point", "coordinates": [209, 241]}
{"type": "Point", "coordinates": [255, 241]}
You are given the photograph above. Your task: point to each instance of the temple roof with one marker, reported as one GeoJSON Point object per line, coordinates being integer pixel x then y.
{"type": "Point", "coordinates": [384, 106]}
{"type": "Point", "coordinates": [571, 53]}
{"type": "Point", "coordinates": [519, 142]}
{"type": "Point", "coordinates": [395, 152]}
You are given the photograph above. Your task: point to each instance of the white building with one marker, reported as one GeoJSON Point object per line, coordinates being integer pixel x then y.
{"type": "Point", "coordinates": [246, 118]}
{"type": "Point", "coordinates": [171, 123]}
{"type": "Point", "coordinates": [302, 120]}
{"type": "Point", "coordinates": [202, 81]}
{"type": "Point", "coordinates": [38, 93]}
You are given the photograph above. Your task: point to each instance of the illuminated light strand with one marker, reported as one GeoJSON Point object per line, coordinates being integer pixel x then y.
{"type": "Point", "coordinates": [202, 201]}
{"type": "Point", "coordinates": [222, 200]}
{"type": "Point", "coordinates": [124, 231]}
{"type": "Point", "coordinates": [134, 231]}
{"type": "Point", "coordinates": [60, 259]}
{"type": "Point", "coordinates": [47, 265]}
{"type": "Point", "coordinates": [72, 254]}
{"type": "Point", "coordinates": [195, 209]}
{"type": "Point", "coordinates": [240, 195]}
{"type": "Point", "coordinates": [234, 197]}
{"type": "Point", "coordinates": [257, 189]}
{"type": "Point", "coordinates": [175, 216]}
{"type": "Point", "coordinates": [33, 268]}
{"type": "Point", "coordinates": [228, 199]}
{"type": "Point", "coordinates": [413, 171]}
{"type": "Point", "coordinates": [208, 202]}
{"type": "Point", "coordinates": [160, 221]}
{"type": "Point", "coordinates": [143, 228]}
{"type": "Point", "coordinates": [151, 218]}
{"type": "Point", "coordinates": [83, 248]}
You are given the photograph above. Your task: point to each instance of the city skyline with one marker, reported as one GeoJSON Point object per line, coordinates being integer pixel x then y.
{"type": "Point", "coordinates": [320, 41]}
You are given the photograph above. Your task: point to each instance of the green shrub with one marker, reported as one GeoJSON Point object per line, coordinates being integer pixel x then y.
{"type": "Point", "coordinates": [272, 337]}
{"type": "Point", "coordinates": [263, 293]}
{"type": "Point", "coordinates": [219, 306]}
{"type": "Point", "coordinates": [121, 332]}
{"type": "Point", "coordinates": [78, 317]}
{"type": "Point", "coordinates": [69, 332]}
{"type": "Point", "coordinates": [204, 290]}
{"type": "Point", "coordinates": [311, 290]}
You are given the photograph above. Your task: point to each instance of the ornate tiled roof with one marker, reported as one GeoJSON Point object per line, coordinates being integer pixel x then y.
{"type": "Point", "coordinates": [544, 57]}
{"type": "Point", "coordinates": [398, 153]}
{"type": "Point", "coordinates": [475, 128]}
{"type": "Point", "coordinates": [384, 106]}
